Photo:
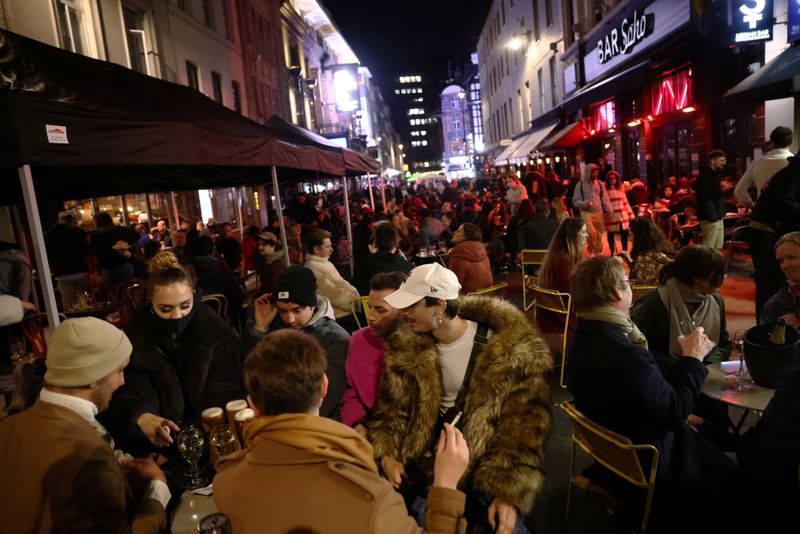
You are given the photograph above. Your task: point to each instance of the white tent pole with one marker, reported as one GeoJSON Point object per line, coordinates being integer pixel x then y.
{"type": "Point", "coordinates": [174, 205]}
{"type": "Point", "coordinates": [32, 210]}
{"type": "Point", "coordinates": [371, 197]}
{"type": "Point", "coordinates": [280, 217]}
{"type": "Point", "coordinates": [383, 193]}
{"type": "Point", "coordinates": [239, 197]}
{"type": "Point", "coordinates": [349, 226]}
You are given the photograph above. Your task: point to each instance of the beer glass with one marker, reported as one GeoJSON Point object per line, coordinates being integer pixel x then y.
{"type": "Point", "coordinates": [190, 444]}
{"type": "Point", "coordinates": [242, 417]}
{"type": "Point", "coordinates": [231, 408]}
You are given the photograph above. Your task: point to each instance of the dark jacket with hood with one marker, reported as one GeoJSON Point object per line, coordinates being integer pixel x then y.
{"type": "Point", "coordinates": [176, 379]}
{"type": "Point", "coordinates": [382, 261]}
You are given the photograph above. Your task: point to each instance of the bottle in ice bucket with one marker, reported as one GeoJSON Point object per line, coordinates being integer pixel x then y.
{"type": "Point", "coordinates": [778, 336]}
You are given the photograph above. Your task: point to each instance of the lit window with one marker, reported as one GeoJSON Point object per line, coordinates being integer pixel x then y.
{"type": "Point", "coordinates": [424, 143]}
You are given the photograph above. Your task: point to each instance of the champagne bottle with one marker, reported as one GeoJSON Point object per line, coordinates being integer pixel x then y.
{"type": "Point", "coordinates": [778, 336]}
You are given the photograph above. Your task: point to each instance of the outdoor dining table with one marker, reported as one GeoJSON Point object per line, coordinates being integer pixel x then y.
{"type": "Point", "coordinates": [718, 385]}
{"type": "Point", "coordinates": [190, 510]}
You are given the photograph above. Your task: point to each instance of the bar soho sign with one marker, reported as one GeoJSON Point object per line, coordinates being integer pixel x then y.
{"type": "Point", "coordinates": [632, 31]}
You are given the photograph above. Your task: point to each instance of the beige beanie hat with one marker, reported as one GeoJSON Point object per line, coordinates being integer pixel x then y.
{"type": "Point", "coordinates": [82, 351]}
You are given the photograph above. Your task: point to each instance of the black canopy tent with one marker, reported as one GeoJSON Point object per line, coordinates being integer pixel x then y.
{"type": "Point", "coordinates": [75, 127]}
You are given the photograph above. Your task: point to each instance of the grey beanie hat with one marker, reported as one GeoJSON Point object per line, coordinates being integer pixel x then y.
{"type": "Point", "coordinates": [85, 350]}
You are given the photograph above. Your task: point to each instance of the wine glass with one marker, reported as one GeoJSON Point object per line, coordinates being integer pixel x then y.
{"type": "Point", "coordinates": [688, 326]}
{"type": "Point", "coordinates": [223, 440]}
{"type": "Point", "coordinates": [743, 380]}
{"type": "Point", "coordinates": [190, 444]}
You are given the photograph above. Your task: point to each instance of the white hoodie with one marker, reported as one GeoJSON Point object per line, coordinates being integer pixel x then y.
{"type": "Point", "coordinates": [760, 172]}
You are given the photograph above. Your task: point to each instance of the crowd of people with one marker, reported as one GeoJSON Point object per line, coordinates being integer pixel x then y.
{"type": "Point", "coordinates": [435, 414]}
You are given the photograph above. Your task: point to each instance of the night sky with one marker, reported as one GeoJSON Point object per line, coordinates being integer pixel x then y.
{"type": "Point", "coordinates": [393, 36]}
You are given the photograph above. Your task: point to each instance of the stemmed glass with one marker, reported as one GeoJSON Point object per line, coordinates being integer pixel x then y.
{"type": "Point", "coordinates": [190, 444]}
{"type": "Point", "coordinates": [743, 381]}
{"type": "Point", "coordinates": [223, 440]}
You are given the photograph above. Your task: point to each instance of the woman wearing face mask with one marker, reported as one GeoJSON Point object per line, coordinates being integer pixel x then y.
{"type": "Point", "coordinates": [185, 359]}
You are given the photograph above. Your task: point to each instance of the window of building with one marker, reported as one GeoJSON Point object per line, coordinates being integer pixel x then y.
{"type": "Point", "coordinates": [672, 92]}
{"type": "Point", "coordinates": [208, 13]}
{"type": "Point", "coordinates": [456, 123]}
{"type": "Point", "coordinates": [503, 12]}
{"type": "Point", "coordinates": [548, 12]}
{"type": "Point", "coordinates": [601, 117]}
{"type": "Point", "coordinates": [216, 84]}
{"type": "Point", "coordinates": [237, 96]}
{"type": "Point", "coordinates": [540, 87]}
{"type": "Point", "coordinates": [553, 81]}
{"type": "Point", "coordinates": [226, 20]}
{"type": "Point", "coordinates": [536, 34]}
{"type": "Point", "coordinates": [136, 39]}
{"type": "Point", "coordinates": [71, 26]}
{"type": "Point", "coordinates": [192, 79]}
{"type": "Point", "coordinates": [454, 102]}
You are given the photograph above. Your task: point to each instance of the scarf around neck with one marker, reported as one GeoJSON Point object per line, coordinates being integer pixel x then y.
{"type": "Point", "coordinates": [613, 316]}
{"type": "Point", "coordinates": [675, 296]}
{"type": "Point", "coordinates": [313, 434]}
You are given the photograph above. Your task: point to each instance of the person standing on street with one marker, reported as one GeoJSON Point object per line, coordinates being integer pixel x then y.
{"type": "Point", "coordinates": [761, 170]}
{"type": "Point", "coordinates": [591, 198]}
{"type": "Point", "coordinates": [710, 200]}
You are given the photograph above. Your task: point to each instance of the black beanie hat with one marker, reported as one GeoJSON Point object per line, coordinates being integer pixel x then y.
{"type": "Point", "coordinates": [297, 284]}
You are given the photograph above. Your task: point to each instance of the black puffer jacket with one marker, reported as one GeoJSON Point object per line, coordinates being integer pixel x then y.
{"type": "Point", "coordinates": [175, 379]}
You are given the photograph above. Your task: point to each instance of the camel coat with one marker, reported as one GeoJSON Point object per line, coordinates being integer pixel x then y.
{"type": "Point", "coordinates": [61, 476]}
{"type": "Point", "coordinates": [304, 473]}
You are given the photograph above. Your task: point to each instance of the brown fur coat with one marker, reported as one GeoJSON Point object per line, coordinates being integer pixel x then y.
{"type": "Point", "coordinates": [507, 409]}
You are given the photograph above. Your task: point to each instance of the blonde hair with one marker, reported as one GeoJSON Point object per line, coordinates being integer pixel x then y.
{"type": "Point", "coordinates": [162, 260]}
{"type": "Point", "coordinates": [791, 237]}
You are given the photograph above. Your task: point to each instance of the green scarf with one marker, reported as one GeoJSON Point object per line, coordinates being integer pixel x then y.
{"type": "Point", "coordinates": [613, 316]}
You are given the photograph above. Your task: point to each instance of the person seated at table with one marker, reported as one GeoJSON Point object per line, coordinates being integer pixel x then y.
{"type": "Point", "coordinates": [364, 362]}
{"type": "Point", "coordinates": [687, 296]}
{"type": "Point", "coordinates": [625, 391]}
{"type": "Point", "coordinates": [538, 233]}
{"type": "Point", "coordinates": [651, 250]}
{"type": "Point", "coordinates": [565, 251]}
{"type": "Point", "coordinates": [305, 473]}
{"type": "Point", "coordinates": [215, 277]}
{"type": "Point", "coordinates": [330, 283]}
{"type": "Point", "coordinates": [469, 259]}
{"type": "Point", "coordinates": [296, 304]}
{"type": "Point", "coordinates": [269, 263]}
{"type": "Point", "coordinates": [386, 259]}
{"type": "Point", "coordinates": [60, 461]}
{"type": "Point", "coordinates": [785, 304]}
{"type": "Point", "coordinates": [768, 455]}
{"type": "Point", "coordinates": [185, 359]}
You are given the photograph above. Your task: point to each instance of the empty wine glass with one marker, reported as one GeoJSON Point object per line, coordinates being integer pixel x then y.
{"type": "Point", "coordinates": [190, 444]}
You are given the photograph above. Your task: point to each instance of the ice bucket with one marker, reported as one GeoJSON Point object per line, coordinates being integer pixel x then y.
{"type": "Point", "coordinates": [768, 363]}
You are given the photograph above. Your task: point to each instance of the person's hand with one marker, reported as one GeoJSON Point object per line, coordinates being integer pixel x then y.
{"type": "Point", "coordinates": [28, 306]}
{"type": "Point", "coordinates": [625, 256]}
{"type": "Point", "coordinates": [791, 319]}
{"type": "Point", "coordinates": [142, 470]}
{"type": "Point", "coordinates": [696, 345]}
{"type": "Point", "coordinates": [695, 422]}
{"type": "Point", "coordinates": [502, 516]}
{"type": "Point", "coordinates": [156, 429]}
{"type": "Point", "coordinates": [264, 313]}
{"type": "Point", "coordinates": [394, 470]}
{"type": "Point", "coordinates": [452, 458]}
{"type": "Point", "coordinates": [590, 205]}
{"type": "Point", "coordinates": [361, 429]}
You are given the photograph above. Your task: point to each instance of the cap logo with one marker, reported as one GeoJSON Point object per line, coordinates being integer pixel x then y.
{"type": "Point", "coordinates": [434, 290]}
{"type": "Point", "coordinates": [283, 294]}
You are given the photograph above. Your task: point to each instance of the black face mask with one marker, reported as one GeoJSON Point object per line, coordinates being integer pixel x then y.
{"type": "Point", "coordinates": [174, 326]}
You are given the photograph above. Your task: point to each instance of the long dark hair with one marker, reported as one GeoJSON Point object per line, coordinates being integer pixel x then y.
{"type": "Point", "coordinates": [646, 237]}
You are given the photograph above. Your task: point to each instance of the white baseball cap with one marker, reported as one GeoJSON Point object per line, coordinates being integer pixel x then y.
{"type": "Point", "coordinates": [429, 280]}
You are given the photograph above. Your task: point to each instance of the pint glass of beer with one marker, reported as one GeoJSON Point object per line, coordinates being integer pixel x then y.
{"type": "Point", "coordinates": [212, 417]}
{"type": "Point", "coordinates": [231, 408]}
{"type": "Point", "coordinates": [242, 417]}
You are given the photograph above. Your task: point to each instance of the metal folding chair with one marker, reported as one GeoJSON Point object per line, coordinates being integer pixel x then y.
{"type": "Point", "coordinates": [530, 260]}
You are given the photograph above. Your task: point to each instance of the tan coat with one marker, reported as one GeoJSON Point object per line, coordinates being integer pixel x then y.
{"type": "Point", "coordinates": [316, 475]}
{"type": "Point", "coordinates": [60, 475]}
